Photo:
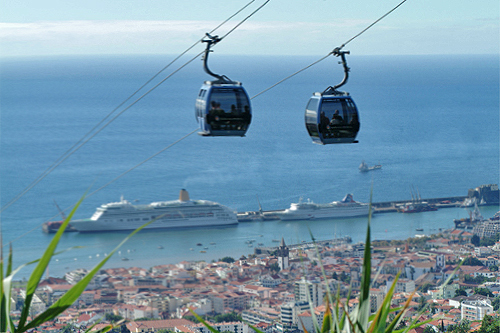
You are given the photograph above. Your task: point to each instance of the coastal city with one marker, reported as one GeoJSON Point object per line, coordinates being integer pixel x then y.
{"type": "Point", "coordinates": [449, 281]}
{"type": "Point", "coordinates": [249, 166]}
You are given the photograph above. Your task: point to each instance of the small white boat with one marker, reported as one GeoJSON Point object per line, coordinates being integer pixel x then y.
{"type": "Point", "coordinates": [363, 167]}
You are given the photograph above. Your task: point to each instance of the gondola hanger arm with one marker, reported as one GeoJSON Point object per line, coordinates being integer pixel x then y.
{"type": "Point", "coordinates": [212, 40]}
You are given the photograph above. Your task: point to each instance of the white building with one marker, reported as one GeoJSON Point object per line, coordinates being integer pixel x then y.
{"type": "Point", "coordinates": [476, 310]}
{"type": "Point", "coordinates": [376, 299]}
{"type": "Point", "coordinates": [446, 291]}
{"type": "Point", "coordinates": [289, 313]}
{"type": "Point", "coordinates": [201, 307]}
{"type": "Point", "coordinates": [309, 291]}
{"type": "Point", "coordinates": [75, 276]}
{"type": "Point", "coordinates": [404, 286]}
{"type": "Point", "coordinates": [236, 327]}
{"type": "Point", "coordinates": [270, 281]}
{"type": "Point", "coordinates": [260, 315]}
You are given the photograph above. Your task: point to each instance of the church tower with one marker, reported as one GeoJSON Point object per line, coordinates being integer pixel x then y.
{"type": "Point", "coordinates": [282, 254]}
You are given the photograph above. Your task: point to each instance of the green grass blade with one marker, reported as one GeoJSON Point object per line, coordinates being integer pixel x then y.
{"type": "Point", "coordinates": [363, 314]}
{"type": "Point", "coordinates": [7, 325]}
{"type": "Point", "coordinates": [414, 325]}
{"type": "Point", "coordinates": [327, 319]}
{"type": "Point", "coordinates": [72, 295]}
{"type": "Point", "coordinates": [352, 326]}
{"type": "Point", "coordinates": [39, 270]}
{"type": "Point", "coordinates": [383, 312]}
{"type": "Point", "coordinates": [399, 316]}
{"type": "Point", "coordinates": [104, 329]}
{"type": "Point", "coordinates": [338, 321]}
{"type": "Point", "coordinates": [9, 261]}
{"type": "Point", "coordinates": [201, 320]}
{"type": "Point", "coordinates": [6, 285]}
{"type": "Point", "coordinates": [303, 327]}
{"type": "Point", "coordinates": [332, 319]}
{"type": "Point", "coordinates": [4, 297]}
{"type": "Point", "coordinates": [255, 328]}
{"type": "Point", "coordinates": [3, 304]}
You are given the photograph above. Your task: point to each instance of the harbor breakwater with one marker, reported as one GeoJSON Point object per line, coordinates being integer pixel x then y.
{"type": "Point", "coordinates": [386, 206]}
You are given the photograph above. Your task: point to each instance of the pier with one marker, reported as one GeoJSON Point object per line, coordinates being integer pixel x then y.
{"type": "Point", "coordinates": [378, 207]}
{"type": "Point", "coordinates": [485, 195]}
{"type": "Point", "coordinates": [391, 206]}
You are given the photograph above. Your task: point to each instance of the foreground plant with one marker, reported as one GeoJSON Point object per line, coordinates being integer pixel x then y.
{"type": "Point", "coordinates": [360, 319]}
{"type": "Point", "coordinates": [6, 322]}
{"type": "Point", "coordinates": [337, 319]}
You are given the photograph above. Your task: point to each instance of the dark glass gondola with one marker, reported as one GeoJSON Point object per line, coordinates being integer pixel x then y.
{"type": "Point", "coordinates": [331, 116]}
{"type": "Point", "coordinates": [222, 106]}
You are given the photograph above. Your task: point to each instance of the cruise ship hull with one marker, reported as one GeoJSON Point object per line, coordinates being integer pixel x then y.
{"type": "Point", "coordinates": [88, 225]}
{"type": "Point", "coordinates": [182, 213]}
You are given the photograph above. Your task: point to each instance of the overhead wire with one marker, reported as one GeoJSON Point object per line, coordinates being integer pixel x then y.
{"type": "Point", "coordinates": [267, 89]}
{"type": "Point", "coordinates": [116, 178]}
{"type": "Point", "coordinates": [371, 25]}
{"type": "Point", "coordinates": [291, 75]}
{"type": "Point", "coordinates": [82, 141]}
{"type": "Point", "coordinates": [246, 18]}
{"type": "Point", "coordinates": [333, 51]}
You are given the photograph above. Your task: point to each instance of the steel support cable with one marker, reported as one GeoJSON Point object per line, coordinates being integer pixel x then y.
{"type": "Point", "coordinates": [141, 163]}
{"type": "Point", "coordinates": [129, 106]}
{"type": "Point", "coordinates": [292, 75]}
{"type": "Point", "coordinates": [246, 18]}
{"type": "Point", "coordinates": [39, 179]}
{"type": "Point", "coordinates": [72, 149]}
{"type": "Point", "coordinates": [332, 52]}
{"type": "Point", "coordinates": [371, 25]}
{"type": "Point", "coordinates": [113, 180]}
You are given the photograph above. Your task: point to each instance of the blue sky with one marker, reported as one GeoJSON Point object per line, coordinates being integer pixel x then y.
{"type": "Point", "coordinates": [288, 27]}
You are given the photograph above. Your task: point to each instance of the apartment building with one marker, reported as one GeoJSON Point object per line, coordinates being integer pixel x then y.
{"type": "Point", "coordinates": [476, 310]}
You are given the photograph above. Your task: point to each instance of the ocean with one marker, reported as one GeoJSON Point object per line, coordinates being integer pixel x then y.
{"type": "Point", "coordinates": [431, 121]}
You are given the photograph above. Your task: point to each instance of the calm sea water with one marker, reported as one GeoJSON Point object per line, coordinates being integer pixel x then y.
{"type": "Point", "coordinates": [431, 121]}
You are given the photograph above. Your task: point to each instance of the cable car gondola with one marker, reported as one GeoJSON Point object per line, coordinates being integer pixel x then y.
{"type": "Point", "coordinates": [331, 116]}
{"type": "Point", "coordinates": [222, 106]}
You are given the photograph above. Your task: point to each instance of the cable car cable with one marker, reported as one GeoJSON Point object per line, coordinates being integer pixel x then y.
{"type": "Point", "coordinates": [141, 163]}
{"type": "Point", "coordinates": [109, 183]}
{"type": "Point", "coordinates": [337, 49]}
{"type": "Point", "coordinates": [82, 140]}
{"type": "Point", "coordinates": [246, 18]}
{"type": "Point", "coordinates": [63, 158]}
{"type": "Point", "coordinates": [72, 149]}
{"type": "Point", "coordinates": [179, 140]}
{"type": "Point", "coordinates": [292, 75]}
{"type": "Point", "coordinates": [371, 25]}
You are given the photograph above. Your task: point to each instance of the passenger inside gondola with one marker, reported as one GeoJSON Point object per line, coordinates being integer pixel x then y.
{"type": "Point", "coordinates": [354, 123]}
{"type": "Point", "coordinates": [215, 114]}
{"type": "Point", "coordinates": [336, 118]}
{"type": "Point", "coordinates": [238, 115]}
{"type": "Point", "coordinates": [324, 123]}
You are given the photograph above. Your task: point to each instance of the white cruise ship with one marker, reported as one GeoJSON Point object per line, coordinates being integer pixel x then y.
{"type": "Point", "coordinates": [336, 209]}
{"type": "Point", "coordinates": [182, 213]}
